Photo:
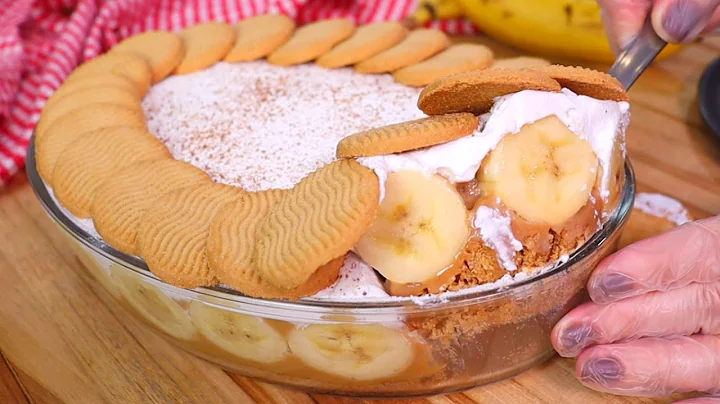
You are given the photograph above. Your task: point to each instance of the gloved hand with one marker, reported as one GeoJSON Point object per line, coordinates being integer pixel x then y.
{"type": "Point", "coordinates": [653, 325]}
{"type": "Point", "coordinates": [674, 20]}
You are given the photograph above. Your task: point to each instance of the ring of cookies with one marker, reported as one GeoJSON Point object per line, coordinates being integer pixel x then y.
{"type": "Point", "coordinates": [436, 204]}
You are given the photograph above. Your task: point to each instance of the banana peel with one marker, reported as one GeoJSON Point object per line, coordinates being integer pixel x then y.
{"type": "Point", "coordinates": [557, 29]}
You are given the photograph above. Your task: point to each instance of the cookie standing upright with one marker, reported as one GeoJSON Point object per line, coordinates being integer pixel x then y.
{"type": "Point", "coordinates": [257, 37]}
{"type": "Point", "coordinates": [312, 40]}
{"type": "Point", "coordinates": [416, 47]}
{"type": "Point", "coordinates": [81, 98]}
{"type": "Point", "coordinates": [173, 233]}
{"type": "Point", "coordinates": [455, 59]}
{"type": "Point", "coordinates": [366, 42]}
{"type": "Point", "coordinates": [231, 245]}
{"type": "Point", "coordinates": [205, 44]}
{"type": "Point", "coordinates": [86, 163]}
{"type": "Point", "coordinates": [65, 130]}
{"type": "Point", "coordinates": [127, 64]}
{"type": "Point", "coordinates": [162, 50]}
{"type": "Point", "coordinates": [122, 200]}
{"type": "Point", "coordinates": [92, 80]}
{"type": "Point", "coordinates": [319, 220]}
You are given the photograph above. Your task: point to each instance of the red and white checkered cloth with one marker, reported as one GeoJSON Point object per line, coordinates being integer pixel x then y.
{"type": "Point", "coordinates": [41, 42]}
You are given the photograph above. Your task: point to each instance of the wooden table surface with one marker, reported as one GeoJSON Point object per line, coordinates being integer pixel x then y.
{"type": "Point", "coordinates": [62, 339]}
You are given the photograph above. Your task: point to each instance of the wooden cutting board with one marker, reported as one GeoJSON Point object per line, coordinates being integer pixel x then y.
{"type": "Point", "coordinates": [64, 340]}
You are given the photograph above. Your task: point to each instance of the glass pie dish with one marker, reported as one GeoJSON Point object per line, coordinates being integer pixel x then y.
{"type": "Point", "coordinates": [399, 347]}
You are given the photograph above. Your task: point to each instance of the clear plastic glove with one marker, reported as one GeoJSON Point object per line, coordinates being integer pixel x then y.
{"type": "Point", "coordinates": [653, 325]}
{"type": "Point", "coordinates": [674, 20]}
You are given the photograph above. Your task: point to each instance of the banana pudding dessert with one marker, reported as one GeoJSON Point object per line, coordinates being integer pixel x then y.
{"type": "Point", "coordinates": [534, 179]}
{"type": "Point", "coordinates": [397, 170]}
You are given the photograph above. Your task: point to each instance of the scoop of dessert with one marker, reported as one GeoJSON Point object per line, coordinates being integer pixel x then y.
{"type": "Point", "coordinates": [535, 180]}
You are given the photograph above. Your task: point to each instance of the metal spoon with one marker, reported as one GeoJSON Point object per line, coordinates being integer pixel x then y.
{"type": "Point", "coordinates": [637, 56]}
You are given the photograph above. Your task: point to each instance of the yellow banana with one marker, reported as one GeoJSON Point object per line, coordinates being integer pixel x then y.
{"type": "Point", "coordinates": [564, 29]}
{"type": "Point", "coordinates": [436, 10]}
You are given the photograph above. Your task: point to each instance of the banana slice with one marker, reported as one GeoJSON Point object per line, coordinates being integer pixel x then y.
{"type": "Point", "coordinates": [420, 228]}
{"type": "Point", "coordinates": [156, 307]}
{"type": "Point", "coordinates": [356, 352]}
{"type": "Point", "coordinates": [544, 173]}
{"type": "Point", "coordinates": [245, 336]}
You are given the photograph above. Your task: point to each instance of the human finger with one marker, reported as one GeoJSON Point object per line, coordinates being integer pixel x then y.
{"type": "Point", "coordinates": [700, 400]}
{"type": "Point", "coordinates": [653, 366]}
{"type": "Point", "coordinates": [689, 253]}
{"type": "Point", "coordinates": [694, 309]}
{"type": "Point", "coordinates": [623, 20]}
{"type": "Point", "coordinates": [713, 26]}
{"type": "Point", "coordinates": [682, 20]}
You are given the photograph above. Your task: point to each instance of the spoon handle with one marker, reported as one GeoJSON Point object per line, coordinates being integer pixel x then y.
{"type": "Point", "coordinates": [637, 56]}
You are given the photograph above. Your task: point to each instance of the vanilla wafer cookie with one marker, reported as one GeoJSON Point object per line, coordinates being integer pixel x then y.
{"type": "Point", "coordinates": [455, 59]}
{"type": "Point", "coordinates": [407, 136]}
{"type": "Point", "coordinates": [367, 41]}
{"type": "Point", "coordinates": [82, 98]}
{"type": "Point", "coordinates": [129, 65]}
{"type": "Point", "coordinates": [162, 50]}
{"type": "Point", "coordinates": [312, 40]}
{"type": "Point", "coordinates": [86, 163]}
{"type": "Point", "coordinates": [259, 36]}
{"type": "Point", "coordinates": [94, 81]}
{"type": "Point", "coordinates": [641, 225]}
{"type": "Point", "coordinates": [417, 46]}
{"type": "Point", "coordinates": [173, 233]}
{"type": "Point", "coordinates": [69, 127]}
{"type": "Point", "coordinates": [319, 220]}
{"type": "Point", "coordinates": [591, 83]}
{"type": "Point", "coordinates": [231, 243]}
{"type": "Point", "coordinates": [652, 215]}
{"type": "Point", "coordinates": [475, 91]}
{"type": "Point", "coordinates": [205, 44]}
{"type": "Point", "coordinates": [123, 198]}
{"type": "Point", "coordinates": [519, 62]}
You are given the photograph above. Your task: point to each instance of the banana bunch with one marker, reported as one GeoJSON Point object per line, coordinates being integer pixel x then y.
{"type": "Point", "coordinates": [563, 29]}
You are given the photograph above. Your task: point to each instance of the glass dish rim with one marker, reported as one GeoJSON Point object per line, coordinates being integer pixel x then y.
{"type": "Point", "coordinates": [224, 297]}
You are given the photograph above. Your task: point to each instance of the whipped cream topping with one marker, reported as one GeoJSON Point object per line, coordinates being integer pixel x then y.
{"type": "Point", "coordinates": [601, 123]}
{"type": "Point", "coordinates": [260, 126]}
{"type": "Point", "coordinates": [357, 280]}
{"type": "Point", "coordinates": [457, 160]}
{"type": "Point", "coordinates": [497, 234]}
{"type": "Point", "coordinates": [662, 206]}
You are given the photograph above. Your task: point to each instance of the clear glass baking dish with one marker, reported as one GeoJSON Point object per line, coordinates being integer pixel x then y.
{"type": "Point", "coordinates": [396, 348]}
